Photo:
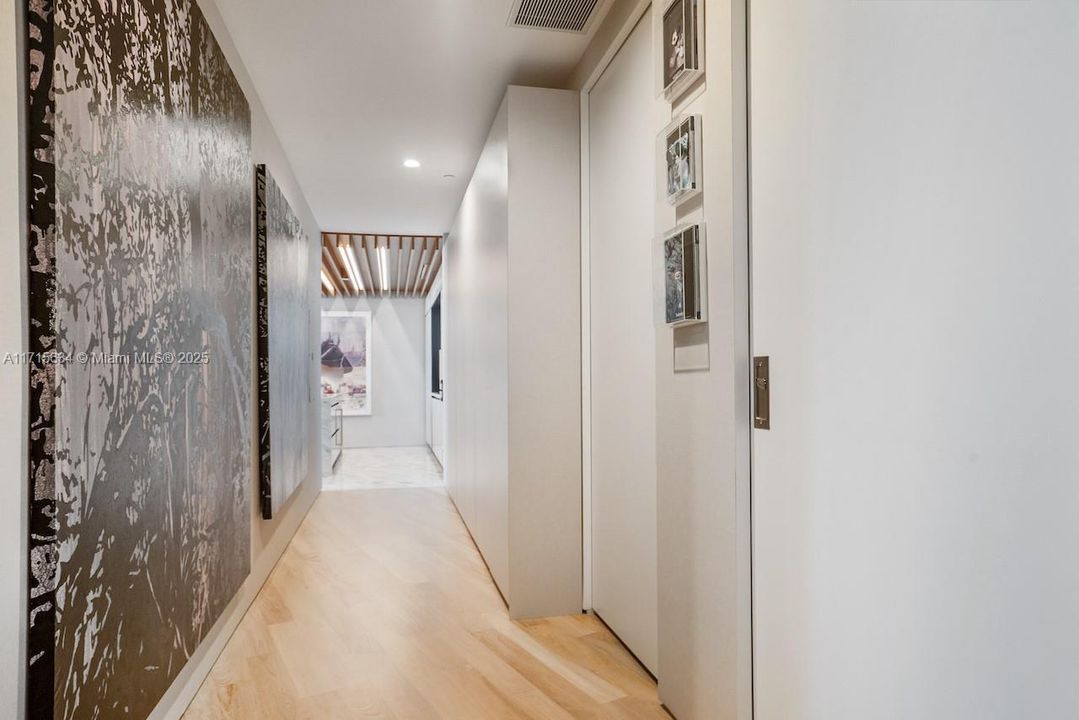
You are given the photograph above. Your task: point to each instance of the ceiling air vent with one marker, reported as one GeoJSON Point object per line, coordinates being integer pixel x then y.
{"type": "Point", "coordinates": [574, 16]}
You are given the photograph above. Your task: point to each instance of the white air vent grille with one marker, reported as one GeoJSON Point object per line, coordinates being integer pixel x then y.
{"type": "Point", "coordinates": [573, 16]}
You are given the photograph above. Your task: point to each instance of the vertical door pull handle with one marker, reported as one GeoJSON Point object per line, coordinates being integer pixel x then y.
{"type": "Point", "coordinates": [762, 409]}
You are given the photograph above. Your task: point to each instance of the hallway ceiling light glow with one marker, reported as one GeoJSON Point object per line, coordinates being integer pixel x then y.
{"type": "Point", "coordinates": [344, 261]}
{"type": "Point", "coordinates": [383, 266]}
{"type": "Point", "coordinates": [411, 163]}
{"type": "Point", "coordinates": [343, 251]}
{"type": "Point", "coordinates": [327, 285]}
{"type": "Point", "coordinates": [355, 265]}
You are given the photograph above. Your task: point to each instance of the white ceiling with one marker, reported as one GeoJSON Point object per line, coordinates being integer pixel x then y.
{"type": "Point", "coordinates": [353, 87]}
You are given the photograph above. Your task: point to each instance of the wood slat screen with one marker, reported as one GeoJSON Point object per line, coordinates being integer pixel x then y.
{"type": "Point", "coordinates": [364, 264]}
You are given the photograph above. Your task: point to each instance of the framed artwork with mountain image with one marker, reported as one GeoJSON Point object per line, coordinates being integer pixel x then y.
{"type": "Point", "coordinates": [346, 359]}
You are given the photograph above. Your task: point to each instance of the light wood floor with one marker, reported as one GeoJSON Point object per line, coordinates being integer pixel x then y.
{"type": "Point", "coordinates": [382, 608]}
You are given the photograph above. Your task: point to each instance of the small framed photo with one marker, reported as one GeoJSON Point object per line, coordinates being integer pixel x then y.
{"type": "Point", "coordinates": [681, 45]}
{"type": "Point", "coordinates": [685, 292]}
{"type": "Point", "coordinates": [680, 145]}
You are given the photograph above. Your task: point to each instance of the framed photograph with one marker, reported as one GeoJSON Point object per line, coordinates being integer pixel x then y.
{"type": "Point", "coordinates": [346, 359]}
{"type": "Point", "coordinates": [684, 277]}
{"type": "Point", "coordinates": [680, 145]}
{"type": "Point", "coordinates": [681, 44]}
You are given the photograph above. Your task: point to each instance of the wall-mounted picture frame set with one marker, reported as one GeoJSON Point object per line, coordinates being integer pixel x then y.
{"type": "Point", "coordinates": [680, 146]}
{"type": "Point", "coordinates": [681, 46]}
{"type": "Point", "coordinates": [685, 278]}
{"type": "Point", "coordinates": [681, 253]}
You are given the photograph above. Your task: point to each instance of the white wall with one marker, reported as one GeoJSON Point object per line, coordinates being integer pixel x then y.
{"type": "Point", "coordinates": [268, 538]}
{"type": "Point", "coordinates": [397, 373]}
{"type": "Point", "coordinates": [621, 168]}
{"type": "Point", "coordinates": [512, 319]}
{"type": "Point", "coordinates": [12, 378]}
{"type": "Point", "coordinates": [915, 282]}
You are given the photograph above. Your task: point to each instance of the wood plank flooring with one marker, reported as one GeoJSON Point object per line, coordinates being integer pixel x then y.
{"type": "Point", "coordinates": [381, 608]}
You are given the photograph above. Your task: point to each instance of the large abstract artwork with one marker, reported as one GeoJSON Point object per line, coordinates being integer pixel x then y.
{"type": "Point", "coordinates": [281, 254]}
{"type": "Point", "coordinates": [346, 359]}
{"type": "Point", "coordinates": [139, 283]}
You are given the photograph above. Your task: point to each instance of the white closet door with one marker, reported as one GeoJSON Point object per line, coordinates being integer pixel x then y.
{"type": "Point", "coordinates": [622, 168]}
{"type": "Point", "coordinates": [915, 246]}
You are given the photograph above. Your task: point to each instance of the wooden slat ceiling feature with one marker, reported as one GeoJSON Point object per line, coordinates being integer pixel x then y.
{"type": "Point", "coordinates": [365, 264]}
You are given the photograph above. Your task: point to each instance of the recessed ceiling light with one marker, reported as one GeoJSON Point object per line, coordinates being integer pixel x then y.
{"type": "Point", "coordinates": [411, 163]}
{"type": "Point", "coordinates": [448, 176]}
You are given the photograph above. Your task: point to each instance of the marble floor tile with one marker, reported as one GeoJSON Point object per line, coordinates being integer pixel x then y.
{"type": "Point", "coordinates": [398, 467]}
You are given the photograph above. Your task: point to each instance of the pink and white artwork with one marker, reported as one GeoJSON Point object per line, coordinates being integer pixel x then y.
{"type": "Point", "coordinates": [346, 359]}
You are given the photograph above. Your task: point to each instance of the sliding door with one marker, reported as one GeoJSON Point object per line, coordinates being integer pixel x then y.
{"type": "Point", "coordinates": [623, 432]}
{"type": "Point", "coordinates": [915, 245]}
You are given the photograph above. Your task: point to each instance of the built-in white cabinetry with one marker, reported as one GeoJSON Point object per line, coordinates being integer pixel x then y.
{"type": "Point", "coordinates": [332, 431]}
{"type": "Point", "coordinates": [437, 406]}
{"type": "Point", "coordinates": [512, 289]}
{"type": "Point", "coordinates": [435, 369]}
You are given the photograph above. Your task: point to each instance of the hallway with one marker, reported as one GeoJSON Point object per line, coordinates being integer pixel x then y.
{"type": "Point", "coordinates": [382, 608]}
{"type": "Point", "coordinates": [539, 360]}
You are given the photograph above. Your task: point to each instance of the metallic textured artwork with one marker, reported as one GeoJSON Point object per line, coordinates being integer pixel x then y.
{"type": "Point", "coordinates": [281, 253]}
{"type": "Point", "coordinates": [139, 279]}
{"type": "Point", "coordinates": [262, 341]}
{"type": "Point", "coordinates": [41, 339]}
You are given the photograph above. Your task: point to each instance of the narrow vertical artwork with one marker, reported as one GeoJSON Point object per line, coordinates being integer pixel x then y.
{"type": "Point", "coordinates": [42, 547]}
{"type": "Point", "coordinates": [262, 344]}
{"type": "Point", "coordinates": [283, 326]}
{"type": "Point", "coordinates": [139, 284]}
